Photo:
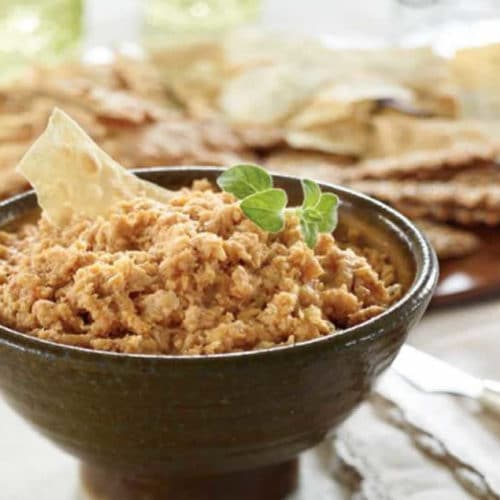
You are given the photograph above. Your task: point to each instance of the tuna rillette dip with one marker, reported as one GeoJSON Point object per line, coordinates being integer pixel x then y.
{"type": "Point", "coordinates": [193, 273]}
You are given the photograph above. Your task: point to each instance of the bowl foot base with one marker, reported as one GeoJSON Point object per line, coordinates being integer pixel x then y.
{"type": "Point", "coordinates": [274, 482]}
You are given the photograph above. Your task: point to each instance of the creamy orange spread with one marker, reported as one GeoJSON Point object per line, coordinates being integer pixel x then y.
{"type": "Point", "coordinates": [193, 276]}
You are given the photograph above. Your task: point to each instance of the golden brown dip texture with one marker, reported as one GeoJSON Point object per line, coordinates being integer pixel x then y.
{"type": "Point", "coordinates": [193, 276]}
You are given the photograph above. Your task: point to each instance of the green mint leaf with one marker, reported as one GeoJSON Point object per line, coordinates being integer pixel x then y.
{"type": "Point", "coordinates": [245, 180]}
{"type": "Point", "coordinates": [312, 193]}
{"type": "Point", "coordinates": [309, 232]}
{"type": "Point", "coordinates": [327, 206]}
{"type": "Point", "coordinates": [266, 209]}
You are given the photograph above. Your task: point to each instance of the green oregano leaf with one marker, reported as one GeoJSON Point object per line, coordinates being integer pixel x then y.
{"type": "Point", "coordinates": [309, 232]}
{"type": "Point", "coordinates": [266, 209]}
{"type": "Point", "coordinates": [312, 193]}
{"type": "Point", "coordinates": [265, 205]}
{"type": "Point", "coordinates": [318, 213]}
{"type": "Point", "coordinates": [312, 215]}
{"type": "Point", "coordinates": [245, 180]}
{"type": "Point", "coordinates": [327, 207]}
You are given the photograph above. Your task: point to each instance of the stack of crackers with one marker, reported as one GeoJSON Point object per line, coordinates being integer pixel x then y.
{"type": "Point", "coordinates": [406, 126]}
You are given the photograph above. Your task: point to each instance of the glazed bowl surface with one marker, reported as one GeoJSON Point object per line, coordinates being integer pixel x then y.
{"type": "Point", "coordinates": [150, 415]}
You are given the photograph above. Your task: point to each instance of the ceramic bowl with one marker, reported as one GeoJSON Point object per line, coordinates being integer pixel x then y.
{"type": "Point", "coordinates": [147, 419]}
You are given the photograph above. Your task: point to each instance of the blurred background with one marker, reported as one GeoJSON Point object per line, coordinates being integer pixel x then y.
{"type": "Point", "coordinates": [399, 99]}
{"type": "Point", "coordinates": [45, 30]}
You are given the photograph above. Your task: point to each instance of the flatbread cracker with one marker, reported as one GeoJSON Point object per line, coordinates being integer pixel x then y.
{"type": "Point", "coordinates": [453, 194]}
{"type": "Point", "coordinates": [479, 175]}
{"type": "Point", "coordinates": [477, 67]}
{"type": "Point", "coordinates": [182, 142]}
{"type": "Point", "coordinates": [72, 175]}
{"type": "Point", "coordinates": [346, 137]}
{"type": "Point", "coordinates": [142, 78]}
{"type": "Point", "coordinates": [289, 156]}
{"type": "Point", "coordinates": [192, 73]}
{"type": "Point", "coordinates": [443, 201]}
{"type": "Point", "coordinates": [352, 99]}
{"type": "Point", "coordinates": [475, 71]}
{"type": "Point", "coordinates": [456, 215]}
{"type": "Point", "coordinates": [108, 104]}
{"type": "Point", "coordinates": [395, 134]}
{"type": "Point", "coordinates": [448, 241]}
{"type": "Point", "coordinates": [428, 165]}
{"type": "Point", "coordinates": [260, 138]}
{"type": "Point", "coordinates": [310, 164]}
{"type": "Point", "coordinates": [268, 95]}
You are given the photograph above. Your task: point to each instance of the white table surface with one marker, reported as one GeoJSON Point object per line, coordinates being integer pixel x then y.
{"type": "Point", "coordinates": [30, 467]}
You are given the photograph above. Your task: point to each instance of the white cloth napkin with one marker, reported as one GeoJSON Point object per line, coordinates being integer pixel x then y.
{"type": "Point", "coordinates": [407, 445]}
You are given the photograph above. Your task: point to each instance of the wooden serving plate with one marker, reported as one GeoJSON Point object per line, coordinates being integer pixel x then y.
{"type": "Point", "coordinates": [473, 277]}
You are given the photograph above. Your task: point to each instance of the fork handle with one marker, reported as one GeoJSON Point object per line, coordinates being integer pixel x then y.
{"type": "Point", "coordinates": [490, 397]}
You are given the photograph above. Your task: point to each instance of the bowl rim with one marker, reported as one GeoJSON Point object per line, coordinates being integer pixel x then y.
{"type": "Point", "coordinates": [420, 290]}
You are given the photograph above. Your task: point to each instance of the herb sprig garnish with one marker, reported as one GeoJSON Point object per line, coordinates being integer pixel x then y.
{"type": "Point", "coordinates": [265, 205]}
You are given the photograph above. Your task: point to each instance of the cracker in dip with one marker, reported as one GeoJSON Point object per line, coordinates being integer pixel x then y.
{"type": "Point", "coordinates": [187, 273]}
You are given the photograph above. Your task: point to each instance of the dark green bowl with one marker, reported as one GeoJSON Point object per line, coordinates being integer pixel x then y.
{"type": "Point", "coordinates": [153, 416]}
